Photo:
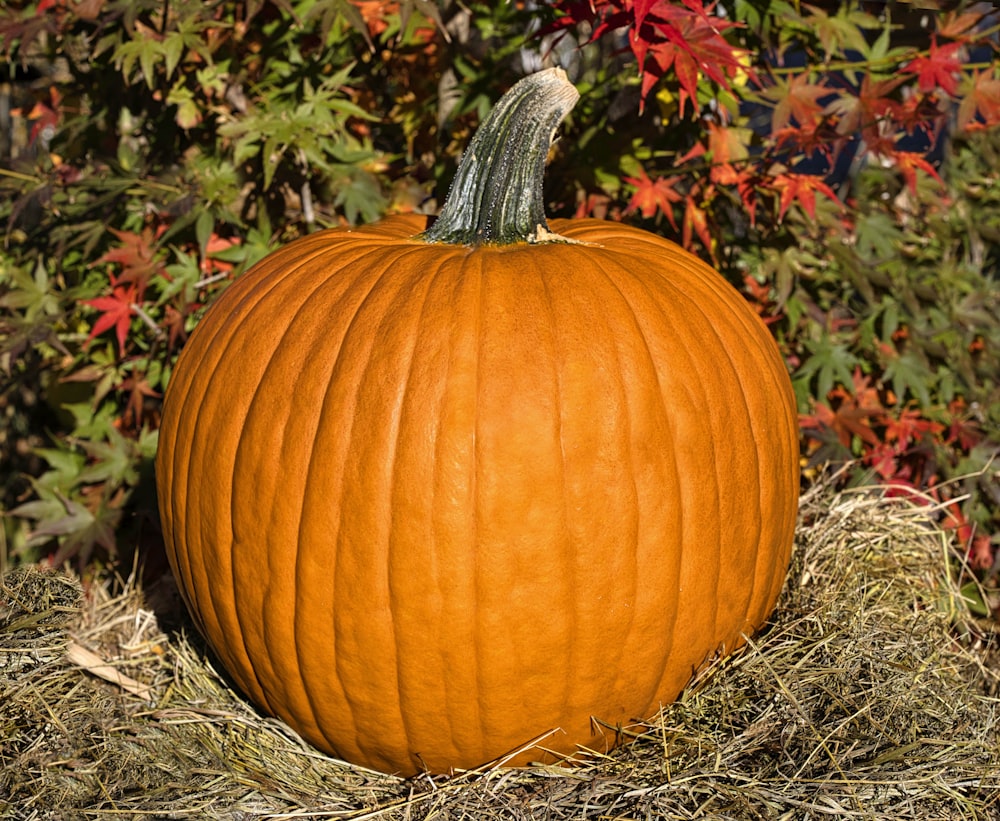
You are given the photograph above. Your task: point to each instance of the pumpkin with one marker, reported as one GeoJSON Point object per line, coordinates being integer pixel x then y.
{"type": "Point", "coordinates": [488, 490]}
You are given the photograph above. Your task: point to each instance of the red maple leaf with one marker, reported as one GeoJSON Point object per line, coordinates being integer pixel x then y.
{"type": "Point", "coordinates": [955, 519]}
{"type": "Point", "coordinates": [44, 116]}
{"type": "Point", "coordinates": [594, 204]}
{"type": "Point", "coordinates": [652, 196]}
{"type": "Point", "coordinates": [939, 69]}
{"type": "Point", "coordinates": [210, 262]}
{"type": "Point", "coordinates": [849, 412]}
{"type": "Point", "coordinates": [641, 9]}
{"type": "Point", "coordinates": [116, 312]}
{"type": "Point", "coordinates": [981, 552]}
{"type": "Point", "coordinates": [686, 38]}
{"type": "Point", "coordinates": [908, 163]}
{"type": "Point", "coordinates": [882, 458]}
{"type": "Point", "coordinates": [848, 420]}
{"type": "Point", "coordinates": [910, 427]}
{"type": "Point", "coordinates": [800, 188]}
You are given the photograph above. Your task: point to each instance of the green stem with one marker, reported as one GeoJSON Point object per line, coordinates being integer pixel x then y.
{"type": "Point", "coordinates": [496, 197]}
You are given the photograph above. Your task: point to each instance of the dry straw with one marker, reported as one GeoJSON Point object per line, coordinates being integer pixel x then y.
{"type": "Point", "coordinates": [867, 697]}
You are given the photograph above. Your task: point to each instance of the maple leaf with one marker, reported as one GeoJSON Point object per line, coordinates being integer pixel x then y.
{"type": "Point", "coordinates": [982, 98]}
{"type": "Point", "coordinates": [862, 389]}
{"type": "Point", "coordinates": [981, 552]}
{"type": "Point", "coordinates": [652, 196]}
{"type": "Point", "coordinates": [760, 297]}
{"type": "Point", "coordinates": [138, 389]}
{"type": "Point", "coordinates": [210, 263]}
{"type": "Point", "coordinates": [641, 9]}
{"type": "Point", "coordinates": [687, 39]}
{"type": "Point", "coordinates": [44, 116]}
{"type": "Point", "coordinates": [696, 223]}
{"type": "Point", "coordinates": [175, 323]}
{"type": "Point", "coordinates": [746, 188]}
{"type": "Point", "coordinates": [796, 99]}
{"type": "Point", "coordinates": [911, 426]}
{"type": "Point", "coordinates": [137, 255]}
{"type": "Point", "coordinates": [882, 458]}
{"type": "Point", "coordinates": [801, 188]}
{"type": "Point", "coordinates": [921, 111]}
{"type": "Point", "coordinates": [908, 163]}
{"type": "Point", "coordinates": [963, 430]}
{"type": "Point", "coordinates": [841, 32]}
{"type": "Point", "coordinates": [959, 25]}
{"type": "Point", "coordinates": [116, 312]}
{"type": "Point", "coordinates": [939, 69]}
{"type": "Point", "coordinates": [848, 420]}
{"type": "Point", "coordinates": [727, 145]}
{"type": "Point", "coordinates": [818, 137]}
{"type": "Point", "coordinates": [863, 111]}
{"type": "Point", "coordinates": [955, 519]}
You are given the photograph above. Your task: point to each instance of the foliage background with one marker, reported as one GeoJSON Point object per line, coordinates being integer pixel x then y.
{"type": "Point", "coordinates": [839, 162]}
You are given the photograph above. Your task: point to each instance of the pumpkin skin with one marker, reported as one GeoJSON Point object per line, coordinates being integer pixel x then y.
{"type": "Point", "coordinates": [431, 502]}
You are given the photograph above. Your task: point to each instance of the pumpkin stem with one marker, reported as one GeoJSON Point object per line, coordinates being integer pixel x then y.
{"type": "Point", "coordinates": [496, 197]}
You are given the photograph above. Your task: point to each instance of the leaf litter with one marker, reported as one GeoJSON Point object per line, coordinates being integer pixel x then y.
{"type": "Point", "coordinates": [871, 694]}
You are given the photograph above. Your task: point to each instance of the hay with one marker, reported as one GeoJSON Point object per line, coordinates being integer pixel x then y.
{"type": "Point", "coordinates": [868, 696]}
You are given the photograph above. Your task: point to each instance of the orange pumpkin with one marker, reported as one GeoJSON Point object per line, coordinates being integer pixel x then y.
{"type": "Point", "coordinates": [432, 500]}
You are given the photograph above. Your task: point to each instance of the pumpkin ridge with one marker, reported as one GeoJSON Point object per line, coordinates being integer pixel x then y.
{"type": "Point", "coordinates": [780, 384]}
{"type": "Point", "coordinates": [612, 656]}
{"type": "Point", "coordinates": [358, 370]}
{"type": "Point", "coordinates": [632, 329]}
{"type": "Point", "coordinates": [570, 571]}
{"type": "Point", "coordinates": [735, 374]}
{"type": "Point", "coordinates": [243, 291]}
{"type": "Point", "coordinates": [776, 373]}
{"type": "Point", "coordinates": [247, 300]}
{"type": "Point", "coordinates": [466, 274]}
{"type": "Point", "coordinates": [722, 347]}
{"type": "Point", "coordinates": [306, 709]}
{"type": "Point", "coordinates": [409, 690]}
{"type": "Point", "coordinates": [762, 590]}
{"type": "Point", "coordinates": [616, 271]}
{"type": "Point", "coordinates": [475, 488]}
{"type": "Point", "coordinates": [274, 670]}
{"type": "Point", "coordinates": [763, 586]}
{"type": "Point", "coordinates": [702, 282]}
{"type": "Point", "coordinates": [271, 672]}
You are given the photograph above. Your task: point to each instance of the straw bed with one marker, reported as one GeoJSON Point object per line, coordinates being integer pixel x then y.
{"type": "Point", "coordinates": [870, 695]}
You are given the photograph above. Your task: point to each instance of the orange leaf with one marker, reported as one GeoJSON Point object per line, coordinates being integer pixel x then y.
{"type": "Point", "coordinates": [908, 163]}
{"type": "Point", "coordinates": [983, 98]}
{"type": "Point", "coordinates": [652, 196]}
{"type": "Point", "coordinates": [796, 99]}
{"type": "Point", "coordinates": [801, 188]}
{"type": "Point", "coordinates": [696, 222]}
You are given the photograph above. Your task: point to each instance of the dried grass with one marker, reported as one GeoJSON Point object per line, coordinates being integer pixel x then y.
{"type": "Point", "coordinates": [867, 697]}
